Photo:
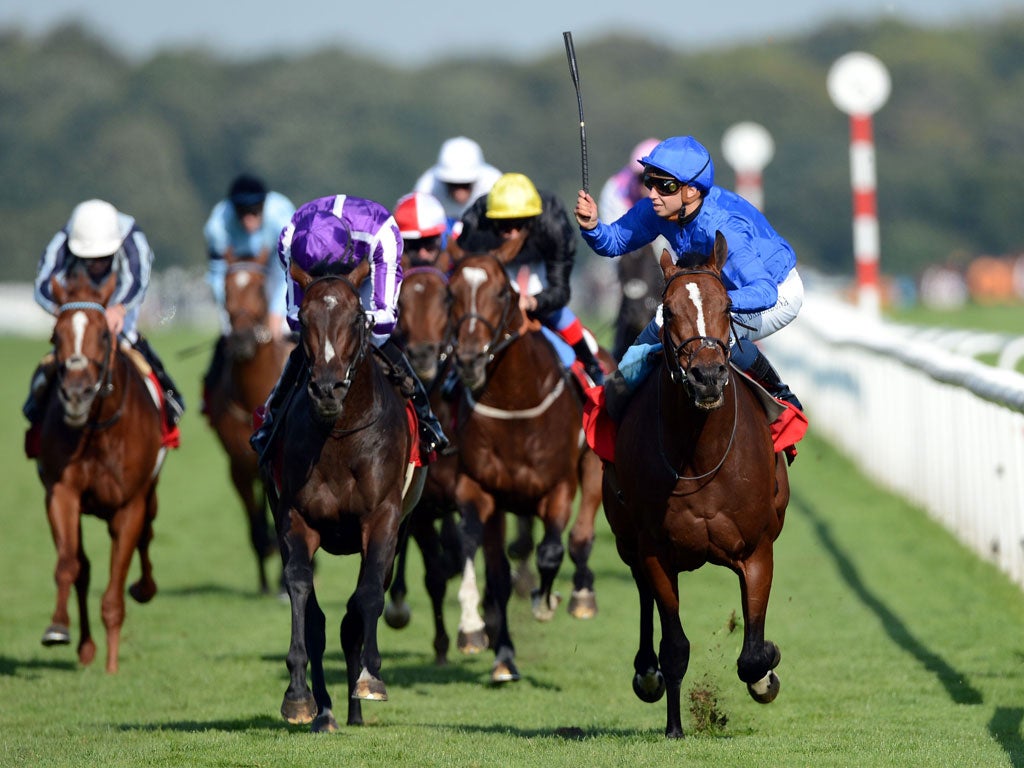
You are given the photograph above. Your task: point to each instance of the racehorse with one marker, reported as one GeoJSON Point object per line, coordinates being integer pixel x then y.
{"type": "Point", "coordinates": [696, 480]}
{"type": "Point", "coordinates": [342, 482]}
{"type": "Point", "coordinates": [101, 455]}
{"type": "Point", "coordinates": [422, 331]}
{"type": "Point", "coordinates": [519, 426]}
{"type": "Point", "coordinates": [254, 359]}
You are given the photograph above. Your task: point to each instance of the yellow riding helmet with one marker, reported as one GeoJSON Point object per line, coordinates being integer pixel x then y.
{"type": "Point", "coordinates": [513, 196]}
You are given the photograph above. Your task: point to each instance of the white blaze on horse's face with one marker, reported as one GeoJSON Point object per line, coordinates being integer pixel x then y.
{"type": "Point", "coordinates": [242, 279]}
{"type": "Point", "coordinates": [476, 277]}
{"type": "Point", "coordinates": [330, 302]}
{"type": "Point", "coordinates": [698, 302]}
{"type": "Point", "coordinates": [77, 361]}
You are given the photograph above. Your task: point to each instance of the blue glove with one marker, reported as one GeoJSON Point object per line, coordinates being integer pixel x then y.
{"type": "Point", "coordinates": [637, 363]}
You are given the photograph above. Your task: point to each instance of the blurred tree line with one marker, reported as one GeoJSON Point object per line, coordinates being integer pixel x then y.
{"type": "Point", "coordinates": [162, 138]}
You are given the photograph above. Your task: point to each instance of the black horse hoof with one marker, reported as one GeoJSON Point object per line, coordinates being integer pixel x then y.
{"type": "Point", "coordinates": [300, 711]}
{"type": "Point", "coordinates": [765, 690]}
{"type": "Point", "coordinates": [649, 687]}
{"type": "Point", "coordinates": [397, 615]}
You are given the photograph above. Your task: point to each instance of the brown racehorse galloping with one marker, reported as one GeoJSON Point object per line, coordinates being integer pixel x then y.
{"type": "Point", "coordinates": [254, 357]}
{"type": "Point", "coordinates": [518, 434]}
{"type": "Point", "coordinates": [344, 482]}
{"type": "Point", "coordinates": [101, 455]}
{"type": "Point", "coordinates": [696, 480]}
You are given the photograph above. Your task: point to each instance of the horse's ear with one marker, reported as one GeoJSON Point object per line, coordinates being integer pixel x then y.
{"type": "Point", "coordinates": [721, 250]}
{"type": "Point", "coordinates": [357, 275]}
{"type": "Point", "coordinates": [59, 292]}
{"type": "Point", "coordinates": [668, 264]}
{"type": "Point", "coordinates": [299, 275]}
{"type": "Point", "coordinates": [262, 257]}
{"type": "Point", "coordinates": [454, 251]}
{"type": "Point", "coordinates": [229, 256]}
{"type": "Point", "coordinates": [446, 259]}
{"type": "Point", "coordinates": [107, 288]}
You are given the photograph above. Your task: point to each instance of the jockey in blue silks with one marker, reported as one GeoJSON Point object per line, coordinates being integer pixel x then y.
{"type": "Point", "coordinates": [684, 205]}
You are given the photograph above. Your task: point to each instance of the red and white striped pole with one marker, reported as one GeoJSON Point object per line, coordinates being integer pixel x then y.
{"type": "Point", "coordinates": [859, 85]}
{"type": "Point", "coordinates": [748, 148]}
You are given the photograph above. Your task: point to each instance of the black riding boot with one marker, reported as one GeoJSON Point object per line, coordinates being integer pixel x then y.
{"type": "Point", "coordinates": [752, 360]}
{"type": "Point", "coordinates": [260, 439]}
{"type": "Point", "coordinates": [586, 356]}
{"type": "Point", "coordinates": [213, 374]}
{"type": "Point", "coordinates": [432, 437]}
{"type": "Point", "coordinates": [39, 389]}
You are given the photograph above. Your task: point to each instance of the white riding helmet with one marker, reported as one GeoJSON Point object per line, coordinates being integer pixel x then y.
{"type": "Point", "coordinates": [420, 215]}
{"type": "Point", "coordinates": [459, 161]}
{"type": "Point", "coordinates": [94, 230]}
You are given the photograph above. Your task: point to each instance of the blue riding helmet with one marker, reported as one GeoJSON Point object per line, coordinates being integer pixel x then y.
{"type": "Point", "coordinates": [684, 158]}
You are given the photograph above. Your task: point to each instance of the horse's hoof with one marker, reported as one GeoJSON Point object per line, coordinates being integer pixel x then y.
{"type": "Point", "coordinates": [142, 592]}
{"type": "Point", "coordinates": [324, 723]}
{"type": "Point", "coordinates": [649, 687]}
{"type": "Point", "coordinates": [582, 604]}
{"type": "Point", "coordinates": [56, 634]}
{"type": "Point", "coordinates": [524, 582]}
{"type": "Point", "coordinates": [504, 672]}
{"type": "Point", "coordinates": [369, 688]}
{"type": "Point", "coordinates": [766, 689]}
{"type": "Point", "coordinates": [472, 643]}
{"type": "Point", "coordinates": [397, 615]}
{"type": "Point", "coordinates": [544, 610]}
{"type": "Point", "coordinates": [300, 711]}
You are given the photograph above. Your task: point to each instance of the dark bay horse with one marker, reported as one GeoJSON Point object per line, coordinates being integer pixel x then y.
{"type": "Point", "coordinates": [254, 357]}
{"type": "Point", "coordinates": [101, 455]}
{"type": "Point", "coordinates": [343, 482]}
{"type": "Point", "coordinates": [519, 427]}
{"type": "Point", "coordinates": [696, 480]}
{"type": "Point", "coordinates": [422, 332]}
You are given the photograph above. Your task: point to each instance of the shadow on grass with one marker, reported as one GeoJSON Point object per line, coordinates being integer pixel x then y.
{"type": "Point", "coordinates": [255, 723]}
{"type": "Point", "coordinates": [1005, 729]}
{"type": "Point", "coordinates": [11, 667]}
{"type": "Point", "coordinates": [954, 681]}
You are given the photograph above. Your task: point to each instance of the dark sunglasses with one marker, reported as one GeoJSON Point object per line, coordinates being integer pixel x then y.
{"type": "Point", "coordinates": [248, 210]}
{"type": "Point", "coordinates": [507, 225]}
{"type": "Point", "coordinates": [423, 244]}
{"type": "Point", "coordinates": [663, 185]}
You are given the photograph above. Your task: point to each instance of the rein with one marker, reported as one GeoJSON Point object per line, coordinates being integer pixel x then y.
{"type": "Point", "coordinates": [732, 437]}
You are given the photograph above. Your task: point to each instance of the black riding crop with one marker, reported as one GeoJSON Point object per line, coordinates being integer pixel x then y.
{"type": "Point", "coordinates": [570, 52]}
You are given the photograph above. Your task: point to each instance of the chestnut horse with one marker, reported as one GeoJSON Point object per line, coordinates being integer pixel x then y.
{"type": "Point", "coordinates": [519, 427]}
{"type": "Point", "coordinates": [101, 455]}
{"type": "Point", "coordinates": [343, 482]}
{"type": "Point", "coordinates": [696, 480]}
{"type": "Point", "coordinates": [422, 331]}
{"type": "Point", "coordinates": [254, 357]}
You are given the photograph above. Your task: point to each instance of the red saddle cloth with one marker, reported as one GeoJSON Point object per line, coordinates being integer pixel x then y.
{"type": "Point", "coordinates": [787, 429]}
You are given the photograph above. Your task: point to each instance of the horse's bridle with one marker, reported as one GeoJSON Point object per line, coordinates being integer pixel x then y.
{"type": "Point", "coordinates": [260, 329]}
{"type": "Point", "coordinates": [673, 351]}
{"type": "Point", "coordinates": [104, 382]}
{"type": "Point", "coordinates": [366, 322]}
{"type": "Point", "coordinates": [501, 336]}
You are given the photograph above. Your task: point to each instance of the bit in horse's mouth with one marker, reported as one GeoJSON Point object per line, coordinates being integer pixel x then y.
{"type": "Point", "coordinates": [710, 405]}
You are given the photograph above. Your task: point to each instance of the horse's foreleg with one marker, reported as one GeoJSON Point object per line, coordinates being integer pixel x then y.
{"type": "Point", "coordinates": [396, 612]}
{"type": "Point", "coordinates": [316, 647]}
{"type": "Point", "coordinates": [648, 682]}
{"type": "Point", "coordinates": [125, 530]}
{"type": "Point", "coordinates": [674, 651]}
{"type": "Point", "coordinates": [759, 657]}
{"type": "Point", "coordinates": [583, 603]}
{"type": "Point", "coordinates": [298, 705]}
{"type": "Point", "coordinates": [254, 503]}
{"type": "Point", "coordinates": [497, 591]}
{"type": "Point", "coordinates": [519, 550]}
{"type": "Point", "coordinates": [144, 589]}
{"type": "Point", "coordinates": [435, 579]}
{"type": "Point", "coordinates": [63, 511]}
{"type": "Point", "coordinates": [368, 603]}
{"type": "Point", "coordinates": [554, 510]}
{"type": "Point", "coordinates": [472, 637]}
